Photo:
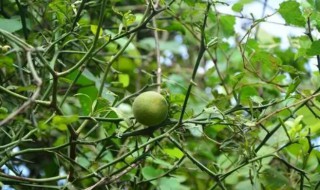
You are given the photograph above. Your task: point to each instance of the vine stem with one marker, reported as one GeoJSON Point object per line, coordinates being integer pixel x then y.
{"type": "Point", "coordinates": [195, 69]}
{"type": "Point", "coordinates": [33, 98]}
{"type": "Point", "coordinates": [157, 47]}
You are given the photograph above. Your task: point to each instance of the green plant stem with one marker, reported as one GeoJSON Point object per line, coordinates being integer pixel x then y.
{"type": "Point", "coordinates": [122, 157]}
{"type": "Point", "coordinates": [175, 167]}
{"type": "Point", "coordinates": [14, 143]}
{"type": "Point", "coordinates": [195, 161]}
{"type": "Point", "coordinates": [40, 102]}
{"type": "Point", "coordinates": [16, 40]}
{"type": "Point", "coordinates": [88, 55]}
{"type": "Point", "coordinates": [33, 180]}
{"type": "Point", "coordinates": [270, 134]}
{"type": "Point", "coordinates": [195, 69]}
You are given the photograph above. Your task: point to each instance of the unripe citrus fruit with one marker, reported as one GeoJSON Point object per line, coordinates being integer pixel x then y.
{"type": "Point", "coordinates": [150, 108]}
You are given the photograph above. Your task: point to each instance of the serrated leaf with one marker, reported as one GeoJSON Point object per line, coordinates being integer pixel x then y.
{"type": "Point", "coordinates": [291, 13]}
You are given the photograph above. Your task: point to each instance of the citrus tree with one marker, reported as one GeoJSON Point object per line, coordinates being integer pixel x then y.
{"type": "Point", "coordinates": [159, 94]}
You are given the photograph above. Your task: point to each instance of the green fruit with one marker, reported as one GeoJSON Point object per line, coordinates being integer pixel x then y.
{"type": "Point", "coordinates": [150, 108]}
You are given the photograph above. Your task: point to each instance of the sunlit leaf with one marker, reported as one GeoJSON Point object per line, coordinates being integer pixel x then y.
{"type": "Point", "coordinates": [94, 30]}
{"type": "Point", "coordinates": [290, 8]}
{"type": "Point", "coordinates": [314, 49]}
{"type": "Point", "coordinates": [173, 152]}
{"type": "Point", "coordinates": [124, 79]}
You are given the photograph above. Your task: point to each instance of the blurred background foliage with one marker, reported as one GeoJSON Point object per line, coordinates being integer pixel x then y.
{"type": "Point", "coordinates": [251, 119]}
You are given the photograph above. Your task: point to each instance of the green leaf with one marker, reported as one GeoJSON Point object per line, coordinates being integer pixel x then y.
{"type": "Point", "coordinates": [309, 119]}
{"type": "Point", "coordinates": [174, 152]}
{"type": "Point", "coordinates": [293, 86]}
{"type": "Point", "coordinates": [195, 130]}
{"type": "Point", "coordinates": [124, 65]}
{"type": "Point", "coordinates": [314, 49]}
{"type": "Point", "coordinates": [62, 10]}
{"type": "Point", "coordinates": [246, 93]}
{"type": "Point", "coordinates": [124, 79]}
{"type": "Point", "coordinates": [61, 122]}
{"type": "Point", "coordinates": [166, 183]}
{"type": "Point", "coordinates": [290, 69]}
{"type": "Point", "coordinates": [6, 63]}
{"type": "Point", "coordinates": [175, 27]}
{"type": "Point", "coordinates": [291, 13]}
{"type": "Point", "coordinates": [86, 97]}
{"type": "Point", "coordinates": [64, 119]}
{"type": "Point", "coordinates": [94, 30]}
{"type": "Point", "coordinates": [10, 25]}
{"type": "Point", "coordinates": [273, 179]}
{"type": "Point", "coordinates": [128, 18]}
{"type": "Point", "coordinates": [102, 105]}
{"type": "Point", "coordinates": [294, 126]}
{"type": "Point", "coordinates": [122, 115]}
{"type": "Point", "coordinates": [227, 23]}
{"type": "Point", "coordinates": [257, 99]}
{"type": "Point", "coordinates": [237, 7]}
{"type": "Point", "coordinates": [149, 172]}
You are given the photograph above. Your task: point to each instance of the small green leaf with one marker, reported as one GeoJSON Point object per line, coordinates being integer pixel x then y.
{"type": "Point", "coordinates": [166, 183]}
{"type": "Point", "coordinates": [195, 130]}
{"type": "Point", "coordinates": [273, 179]}
{"type": "Point", "coordinates": [290, 69]}
{"type": "Point", "coordinates": [61, 122]}
{"type": "Point", "coordinates": [175, 27]}
{"type": "Point", "coordinates": [3, 110]}
{"type": "Point", "coordinates": [149, 172]}
{"type": "Point", "coordinates": [227, 23]}
{"type": "Point", "coordinates": [246, 93]}
{"type": "Point", "coordinates": [293, 86]}
{"type": "Point", "coordinates": [314, 49]}
{"type": "Point", "coordinates": [128, 18]}
{"type": "Point", "coordinates": [122, 115]}
{"type": "Point", "coordinates": [173, 152]}
{"type": "Point", "coordinates": [124, 65]}
{"type": "Point", "coordinates": [94, 29]}
{"type": "Point", "coordinates": [124, 79]}
{"type": "Point", "coordinates": [256, 99]}
{"type": "Point", "coordinates": [86, 96]}
{"type": "Point", "coordinates": [6, 63]}
{"type": "Point", "coordinates": [237, 7]}
{"type": "Point", "coordinates": [291, 13]}
{"type": "Point", "coordinates": [64, 119]}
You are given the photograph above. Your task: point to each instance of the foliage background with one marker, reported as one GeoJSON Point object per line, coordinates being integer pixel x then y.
{"type": "Point", "coordinates": [244, 110]}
